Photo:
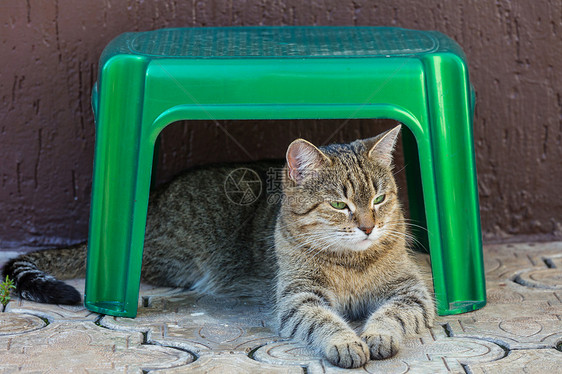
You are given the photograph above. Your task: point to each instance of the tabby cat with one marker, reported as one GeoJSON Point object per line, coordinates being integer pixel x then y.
{"type": "Point", "coordinates": [333, 247]}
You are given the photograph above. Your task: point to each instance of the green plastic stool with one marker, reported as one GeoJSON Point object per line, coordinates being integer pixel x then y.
{"type": "Point", "coordinates": [148, 80]}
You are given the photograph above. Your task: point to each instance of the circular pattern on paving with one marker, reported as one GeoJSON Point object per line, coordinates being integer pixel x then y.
{"type": "Point", "coordinates": [285, 352]}
{"type": "Point", "coordinates": [541, 278]}
{"type": "Point", "coordinates": [200, 324]}
{"type": "Point", "coordinates": [85, 347]}
{"type": "Point", "coordinates": [443, 354]}
{"type": "Point", "coordinates": [13, 324]}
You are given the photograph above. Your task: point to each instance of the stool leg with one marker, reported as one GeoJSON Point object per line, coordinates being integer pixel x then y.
{"type": "Point", "coordinates": [453, 215]}
{"type": "Point", "coordinates": [122, 165]}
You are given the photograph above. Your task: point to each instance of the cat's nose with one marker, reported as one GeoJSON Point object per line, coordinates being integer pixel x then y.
{"type": "Point", "coordinates": [367, 229]}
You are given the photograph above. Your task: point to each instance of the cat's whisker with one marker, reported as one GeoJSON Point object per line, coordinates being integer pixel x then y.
{"type": "Point", "coordinates": [409, 224]}
{"type": "Point", "coordinates": [310, 244]}
{"type": "Point", "coordinates": [321, 250]}
{"type": "Point", "coordinates": [404, 234]}
{"type": "Point", "coordinates": [410, 239]}
{"type": "Point", "coordinates": [396, 172]}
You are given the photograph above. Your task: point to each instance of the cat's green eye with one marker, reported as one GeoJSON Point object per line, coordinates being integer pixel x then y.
{"type": "Point", "coordinates": [338, 204]}
{"type": "Point", "coordinates": [379, 199]}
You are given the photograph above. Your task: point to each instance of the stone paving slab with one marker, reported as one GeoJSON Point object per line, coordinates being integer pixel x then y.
{"type": "Point", "coordinates": [19, 323]}
{"type": "Point", "coordinates": [524, 309]}
{"type": "Point", "coordinates": [231, 363]}
{"type": "Point", "coordinates": [432, 352]}
{"type": "Point", "coordinates": [532, 361]}
{"type": "Point", "coordinates": [520, 330]}
{"type": "Point", "coordinates": [85, 347]}
{"type": "Point", "coordinates": [71, 312]}
{"type": "Point", "coordinates": [200, 323]}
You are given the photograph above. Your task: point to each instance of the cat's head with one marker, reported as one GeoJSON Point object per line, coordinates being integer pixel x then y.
{"type": "Point", "coordinates": [343, 196]}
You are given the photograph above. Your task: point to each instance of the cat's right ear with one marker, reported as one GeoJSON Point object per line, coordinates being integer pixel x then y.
{"type": "Point", "coordinates": [383, 146]}
{"type": "Point", "coordinates": [303, 158]}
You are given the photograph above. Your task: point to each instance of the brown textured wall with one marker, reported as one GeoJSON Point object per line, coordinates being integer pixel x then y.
{"type": "Point", "coordinates": [48, 61]}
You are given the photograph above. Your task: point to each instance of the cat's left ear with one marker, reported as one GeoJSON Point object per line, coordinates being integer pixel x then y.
{"type": "Point", "coordinates": [383, 146]}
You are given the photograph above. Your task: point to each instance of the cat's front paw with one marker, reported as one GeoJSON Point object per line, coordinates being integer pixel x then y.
{"type": "Point", "coordinates": [381, 346]}
{"type": "Point", "coordinates": [349, 353]}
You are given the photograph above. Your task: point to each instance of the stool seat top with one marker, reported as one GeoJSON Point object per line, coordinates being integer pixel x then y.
{"type": "Point", "coordinates": [280, 42]}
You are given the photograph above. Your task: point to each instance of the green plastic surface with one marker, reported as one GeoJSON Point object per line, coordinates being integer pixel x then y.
{"type": "Point", "coordinates": [148, 80]}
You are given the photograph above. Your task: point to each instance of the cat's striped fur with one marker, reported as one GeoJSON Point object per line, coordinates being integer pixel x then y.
{"type": "Point", "coordinates": [334, 249]}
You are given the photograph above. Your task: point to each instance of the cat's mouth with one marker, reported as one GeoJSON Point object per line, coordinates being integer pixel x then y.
{"type": "Point", "coordinates": [363, 244]}
{"type": "Point", "coordinates": [358, 241]}
{"type": "Point", "coordinates": [365, 241]}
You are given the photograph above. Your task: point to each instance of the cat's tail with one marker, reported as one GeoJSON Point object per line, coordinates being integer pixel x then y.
{"type": "Point", "coordinates": [35, 274]}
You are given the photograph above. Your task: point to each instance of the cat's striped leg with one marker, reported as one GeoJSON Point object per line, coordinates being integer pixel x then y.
{"type": "Point", "coordinates": [307, 316]}
{"type": "Point", "coordinates": [409, 311]}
